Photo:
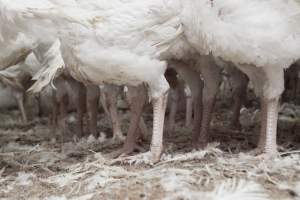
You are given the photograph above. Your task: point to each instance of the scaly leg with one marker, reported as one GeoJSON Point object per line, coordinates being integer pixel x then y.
{"type": "Point", "coordinates": [188, 111]}
{"type": "Point", "coordinates": [263, 128]}
{"type": "Point", "coordinates": [198, 110]}
{"type": "Point", "coordinates": [143, 129]}
{"type": "Point", "coordinates": [93, 94]}
{"type": "Point", "coordinates": [137, 97]}
{"type": "Point", "coordinates": [173, 109]}
{"type": "Point", "coordinates": [194, 82]}
{"type": "Point", "coordinates": [103, 101]}
{"type": "Point", "coordinates": [54, 114]}
{"type": "Point", "coordinates": [159, 108]}
{"type": "Point", "coordinates": [20, 100]}
{"type": "Point", "coordinates": [80, 107]}
{"type": "Point", "coordinates": [156, 148]}
{"type": "Point", "coordinates": [63, 116]}
{"type": "Point", "coordinates": [111, 97]}
{"type": "Point", "coordinates": [270, 147]}
{"type": "Point", "coordinates": [268, 79]}
{"type": "Point", "coordinates": [212, 77]}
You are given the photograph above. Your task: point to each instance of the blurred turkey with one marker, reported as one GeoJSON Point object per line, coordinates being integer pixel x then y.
{"type": "Point", "coordinates": [17, 64]}
{"type": "Point", "coordinates": [262, 49]}
{"type": "Point", "coordinates": [18, 78]}
{"type": "Point", "coordinates": [127, 42]}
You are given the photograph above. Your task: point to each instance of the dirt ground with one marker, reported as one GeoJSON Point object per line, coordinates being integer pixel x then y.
{"type": "Point", "coordinates": [33, 165]}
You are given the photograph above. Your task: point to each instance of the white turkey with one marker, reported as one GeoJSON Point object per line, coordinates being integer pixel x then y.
{"type": "Point", "coordinates": [16, 65]}
{"type": "Point", "coordinates": [14, 50]}
{"type": "Point", "coordinates": [268, 43]}
{"type": "Point", "coordinates": [110, 96]}
{"type": "Point", "coordinates": [127, 42]}
{"type": "Point", "coordinates": [18, 78]}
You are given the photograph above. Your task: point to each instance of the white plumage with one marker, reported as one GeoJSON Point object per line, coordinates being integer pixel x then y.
{"type": "Point", "coordinates": [14, 75]}
{"type": "Point", "coordinates": [128, 41]}
{"type": "Point", "coordinates": [125, 39]}
{"type": "Point", "coordinates": [18, 79]}
{"type": "Point", "coordinates": [14, 51]}
{"type": "Point", "coordinates": [262, 33]}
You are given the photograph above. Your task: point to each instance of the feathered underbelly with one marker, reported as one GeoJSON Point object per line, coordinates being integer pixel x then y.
{"type": "Point", "coordinates": [124, 47]}
{"type": "Point", "coordinates": [259, 33]}
{"type": "Point", "coordinates": [92, 63]}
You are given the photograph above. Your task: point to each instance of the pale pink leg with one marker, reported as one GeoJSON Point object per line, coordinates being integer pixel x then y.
{"type": "Point", "coordinates": [265, 80]}
{"type": "Point", "coordinates": [270, 147]}
{"type": "Point", "coordinates": [93, 94]}
{"type": "Point", "coordinates": [103, 101]}
{"type": "Point", "coordinates": [193, 80]}
{"type": "Point", "coordinates": [263, 126]}
{"type": "Point", "coordinates": [54, 114]}
{"type": "Point", "coordinates": [212, 77]}
{"type": "Point", "coordinates": [137, 97]}
{"type": "Point", "coordinates": [80, 107]}
{"type": "Point", "coordinates": [198, 110]}
{"type": "Point", "coordinates": [143, 129]}
{"type": "Point", "coordinates": [19, 95]}
{"type": "Point", "coordinates": [173, 109]}
{"type": "Point", "coordinates": [159, 108]}
{"type": "Point", "coordinates": [62, 101]}
{"type": "Point", "coordinates": [111, 96]}
{"type": "Point", "coordinates": [188, 111]}
{"type": "Point", "coordinates": [63, 116]}
{"type": "Point", "coordinates": [171, 77]}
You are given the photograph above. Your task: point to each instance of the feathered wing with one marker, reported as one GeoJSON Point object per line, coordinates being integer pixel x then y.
{"type": "Point", "coordinates": [16, 76]}
{"type": "Point", "coordinates": [53, 64]}
{"type": "Point", "coordinates": [141, 29]}
{"type": "Point", "coordinates": [140, 26]}
{"type": "Point", "coordinates": [259, 32]}
{"type": "Point", "coordinates": [236, 190]}
{"type": "Point", "coordinates": [14, 51]}
{"type": "Point", "coordinates": [19, 17]}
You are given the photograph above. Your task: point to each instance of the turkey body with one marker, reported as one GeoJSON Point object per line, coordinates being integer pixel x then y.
{"type": "Point", "coordinates": [128, 37]}
{"type": "Point", "coordinates": [121, 44]}
{"type": "Point", "coordinates": [128, 42]}
{"type": "Point", "coordinates": [261, 38]}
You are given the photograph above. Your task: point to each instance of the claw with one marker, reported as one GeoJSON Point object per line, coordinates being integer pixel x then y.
{"type": "Point", "coordinates": [261, 154]}
{"type": "Point", "coordinates": [268, 156]}
{"type": "Point", "coordinates": [142, 158]}
{"type": "Point", "coordinates": [123, 152]}
{"type": "Point", "coordinates": [257, 151]}
{"type": "Point", "coordinates": [156, 153]}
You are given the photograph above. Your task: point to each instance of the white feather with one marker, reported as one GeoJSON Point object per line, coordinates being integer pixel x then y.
{"type": "Point", "coordinates": [257, 32]}
{"type": "Point", "coordinates": [236, 190]}
{"type": "Point", "coordinates": [118, 41]}
{"type": "Point", "coordinates": [117, 45]}
{"type": "Point", "coordinates": [53, 63]}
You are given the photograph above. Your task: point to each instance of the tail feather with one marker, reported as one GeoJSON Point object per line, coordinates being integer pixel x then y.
{"type": "Point", "coordinates": [52, 66]}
